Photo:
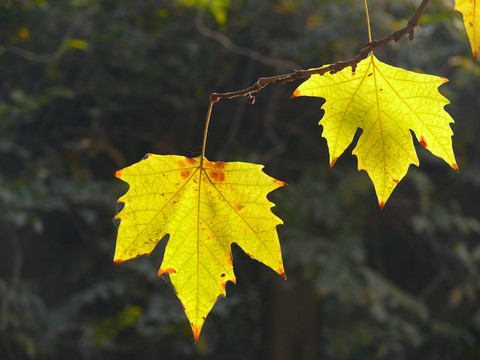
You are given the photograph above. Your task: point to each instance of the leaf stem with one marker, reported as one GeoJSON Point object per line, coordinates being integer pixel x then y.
{"type": "Point", "coordinates": [368, 21]}
{"type": "Point", "coordinates": [205, 132]}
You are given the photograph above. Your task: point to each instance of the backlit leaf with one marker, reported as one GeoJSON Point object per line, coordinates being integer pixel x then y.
{"type": "Point", "coordinates": [205, 207]}
{"type": "Point", "coordinates": [471, 19]}
{"type": "Point", "coordinates": [386, 103]}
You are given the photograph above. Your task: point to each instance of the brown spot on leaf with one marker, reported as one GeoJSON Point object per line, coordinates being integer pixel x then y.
{"type": "Point", "coordinates": [423, 142]}
{"type": "Point", "coordinates": [380, 89]}
{"type": "Point", "coordinates": [218, 176]}
{"type": "Point", "coordinates": [186, 162]}
{"type": "Point", "coordinates": [116, 262]}
{"type": "Point", "coordinates": [370, 74]}
{"type": "Point", "coordinates": [167, 270]}
{"type": "Point", "coordinates": [185, 174]}
{"type": "Point", "coordinates": [216, 165]}
{"type": "Point", "coordinates": [239, 207]}
{"type": "Point", "coordinates": [230, 260]}
{"type": "Point", "coordinates": [222, 275]}
{"type": "Point", "coordinates": [395, 181]}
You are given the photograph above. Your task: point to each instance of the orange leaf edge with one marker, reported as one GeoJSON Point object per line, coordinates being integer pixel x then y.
{"type": "Point", "coordinates": [423, 142]}
{"type": "Point", "coordinates": [167, 270]}
{"type": "Point", "coordinates": [295, 94]}
{"type": "Point", "coordinates": [333, 162]}
{"type": "Point", "coordinates": [196, 331]}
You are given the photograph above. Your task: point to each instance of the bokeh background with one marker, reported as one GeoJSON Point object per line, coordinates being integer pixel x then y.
{"type": "Point", "coordinates": [88, 87]}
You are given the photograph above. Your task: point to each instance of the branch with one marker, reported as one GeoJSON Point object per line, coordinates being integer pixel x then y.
{"type": "Point", "coordinates": [229, 45]}
{"type": "Point", "coordinates": [332, 68]}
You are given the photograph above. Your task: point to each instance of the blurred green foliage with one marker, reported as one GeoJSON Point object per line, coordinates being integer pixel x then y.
{"type": "Point", "coordinates": [88, 87]}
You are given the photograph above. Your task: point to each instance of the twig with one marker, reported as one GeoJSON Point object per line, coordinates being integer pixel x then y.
{"type": "Point", "coordinates": [229, 45]}
{"type": "Point", "coordinates": [332, 68]}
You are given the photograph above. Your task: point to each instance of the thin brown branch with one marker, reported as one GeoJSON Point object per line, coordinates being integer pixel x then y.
{"type": "Point", "coordinates": [332, 68]}
{"type": "Point", "coordinates": [229, 45]}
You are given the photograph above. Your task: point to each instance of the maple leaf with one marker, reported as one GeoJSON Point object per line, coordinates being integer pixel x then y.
{"type": "Point", "coordinates": [386, 103]}
{"type": "Point", "coordinates": [205, 207]}
{"type": "Point", "coordinates": [471, 19]}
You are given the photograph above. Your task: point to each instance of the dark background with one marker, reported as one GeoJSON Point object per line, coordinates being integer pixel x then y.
{"type": "Point", "coordinates": [88, 87]}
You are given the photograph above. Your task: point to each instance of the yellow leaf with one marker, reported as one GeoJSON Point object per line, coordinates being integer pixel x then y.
{"type": "Point", "coordinates": [205, 207]}
{"type": "Point", "coordinates": [471, 19]}
{"type": "Point", "coordinates": [386, 103]}
{"type": "Point", "coordinates": [218, 8]}
{"type": "Point", "coordinates": [23, 33]}
{"type": "Point", "coordinates": [77, 44]}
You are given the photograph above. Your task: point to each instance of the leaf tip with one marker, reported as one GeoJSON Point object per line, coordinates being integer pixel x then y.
{"type": "Point", "coordinates": [281, 272]}
{"type": "Point", "coordinates": [118, 261]}
{"type": "Point", "coordinates": [455, 167]}
{"type": "Point", "coordinates": [475, 55]}
{"type": "Point", "coordinates": [444, 80]}
{"type": "Point", "coordinates": [196, 331]}
{"type": "Point", "coordinates": [295, 94]}
{"type": "Point", "coordinates": [333, 161]}
{"type": "Point", "coordinates": [118, 174]}
{"type": "Point", "coordinates": [167, 270]}
{"type": "Point", "coordinates": [147, 155]}
{"type": "Point", "coordinates": [381, 204]}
